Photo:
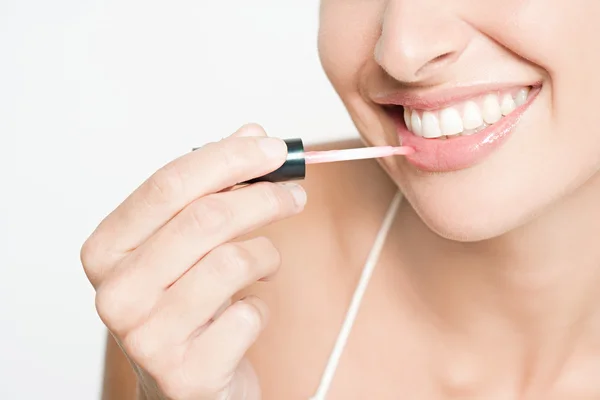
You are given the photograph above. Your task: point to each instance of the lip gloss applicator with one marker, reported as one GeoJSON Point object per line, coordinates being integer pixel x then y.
{"type": "Point", "coordinates": [294, 167]}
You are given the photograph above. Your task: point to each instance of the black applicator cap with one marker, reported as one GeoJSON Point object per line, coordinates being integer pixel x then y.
{"type": "Point", "coordinates": [294, 167]}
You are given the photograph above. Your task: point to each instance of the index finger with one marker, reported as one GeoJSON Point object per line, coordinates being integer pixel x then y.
{"type": "Point", "coordinates": [207, 170]}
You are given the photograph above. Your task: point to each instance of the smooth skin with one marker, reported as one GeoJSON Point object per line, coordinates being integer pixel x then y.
{"type": "Point", "coordinates": [487, 287]}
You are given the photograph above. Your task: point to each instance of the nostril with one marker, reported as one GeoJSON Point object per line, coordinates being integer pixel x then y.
{"type": "Point", "coordinates": [438, 62]}
{"type": "Point", "coordinates": [441, 58]}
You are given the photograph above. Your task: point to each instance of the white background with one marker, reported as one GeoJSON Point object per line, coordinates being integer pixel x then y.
{"type": "Point", "coordinates": [94, 96]}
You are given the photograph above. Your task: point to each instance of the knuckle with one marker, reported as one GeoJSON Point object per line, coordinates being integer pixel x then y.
{"type": "Point", "coordinates": [232, 262]}
{"type": "Point", "coordinates": [97, 259]}
{"type": "Point", "coordinates": [210, 214]}
{"type": "Point", "coordinates": [235, 260]}
{"type": "Point", "coordinates": [271, 196]}
{"type": "Point", "coordinates": [143, 347]}
{"type": "Point", "coordinates": [165, 184]}
{"type": "Point", "coordinates": [90, 255]}
{"type": "Point", "coordinates": [108, 303]}
{"type": "Point", "coordinates": [117, 306]}
{"type": "Point", "coordinates": [268, 252]}
{"type": "Point", "coordinates": [231, 155]}
{"type": "Point", "coordinates": [87, 253]}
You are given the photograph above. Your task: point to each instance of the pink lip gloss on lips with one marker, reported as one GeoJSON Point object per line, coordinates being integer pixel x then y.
{"type": "Point", "coordinates": [294, 167]}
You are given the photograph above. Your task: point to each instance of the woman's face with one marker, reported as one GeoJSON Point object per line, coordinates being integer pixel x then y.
{"type": "Point", "coordinates": [509, 85]}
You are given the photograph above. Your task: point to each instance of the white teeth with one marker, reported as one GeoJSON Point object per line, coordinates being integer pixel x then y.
{"type": "Point", "coordinates": [407, 117]}
{"type": "Point", "coordinates": [464, 119]}
{"type": "Point", "coordinates": [450, 122]}
{"type": "Point", "coordinates": [415, 124]}
{"type": "Point", "coordinates": [521, 97]}
{"type": "Point", "coordinates": [491, 109]}
{"type": "Point", "coordinates": [472, 116]}
{"type": "Point", "coordinates": [508, 105]}
{"type": "Point", "coordinates": [431, 126]}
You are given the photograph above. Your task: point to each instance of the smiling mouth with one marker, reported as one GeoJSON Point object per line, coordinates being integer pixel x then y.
{"type": "Point", "coordinates": [457, 129]}
{"type": "Point", "coordinates": [464, 118]}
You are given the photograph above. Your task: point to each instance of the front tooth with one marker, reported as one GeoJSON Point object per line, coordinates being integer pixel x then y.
{"type": "Point", "coordinates": [450, 122]}
{"type": "Point", "coordinates": [472, 116]}
{"type": "Point", "coordinates": [407, 118]}
{"type": "Point", "coordinates": [431, 126]}
{"type": "Point", "coordinates": [508, 104]}
{"type": "Point", "coordinates": [415, 124]}
{"type": "Point", "coordinates": [521, 96]}
{"type": "Point", "coordinates": [491, 109]}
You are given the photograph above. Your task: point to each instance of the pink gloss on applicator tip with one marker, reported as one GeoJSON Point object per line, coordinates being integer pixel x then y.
{"type": "Point", "coordinates": [319, 157]}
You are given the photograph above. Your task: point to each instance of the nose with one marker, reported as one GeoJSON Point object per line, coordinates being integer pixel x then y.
{"type": "Point", "coordinates": [419, 39]}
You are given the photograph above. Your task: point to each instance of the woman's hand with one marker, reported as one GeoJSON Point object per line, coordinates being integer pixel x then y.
{"type": "Point", "coordinates": [164, 267]}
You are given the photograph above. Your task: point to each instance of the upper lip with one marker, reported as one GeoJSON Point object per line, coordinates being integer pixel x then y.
{"type": "Point", "coordinates": [434, 99]}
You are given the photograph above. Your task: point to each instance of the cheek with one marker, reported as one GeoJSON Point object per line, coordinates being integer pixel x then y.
{"type": "Point", "coordinates": [561, 37]}
{"type": "Point", "coordinates": [349, 30]}
{"type": "Point", "coordinates": [347, 34]}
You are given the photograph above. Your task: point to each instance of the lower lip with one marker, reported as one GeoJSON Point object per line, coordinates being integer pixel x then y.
{"type": "Point", "coordinates": [438, 155]}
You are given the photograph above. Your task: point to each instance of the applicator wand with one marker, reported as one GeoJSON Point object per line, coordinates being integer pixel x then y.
{"type": "Point", "coordinates": [294, 167]}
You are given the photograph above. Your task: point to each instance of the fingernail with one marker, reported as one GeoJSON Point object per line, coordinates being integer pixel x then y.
{"type": "Point", "coordinates": [298, 193]}
{"type": "Point", "coordinates": [272, 147]}
{"type": "Point", "coordinates": [258, 312]}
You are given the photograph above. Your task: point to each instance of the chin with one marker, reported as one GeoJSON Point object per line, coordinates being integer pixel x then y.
{"type": "Point", "coordinates": [493, 200]}
{"type": "Point", "coordinates": [462, 223]}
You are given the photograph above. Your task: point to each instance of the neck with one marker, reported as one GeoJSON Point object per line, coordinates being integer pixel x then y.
{"type": "Point", "coordinates": [535, 288]}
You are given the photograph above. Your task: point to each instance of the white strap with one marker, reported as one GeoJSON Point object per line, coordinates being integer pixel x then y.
{"type": "Point", "coordinates": [359, 292]}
